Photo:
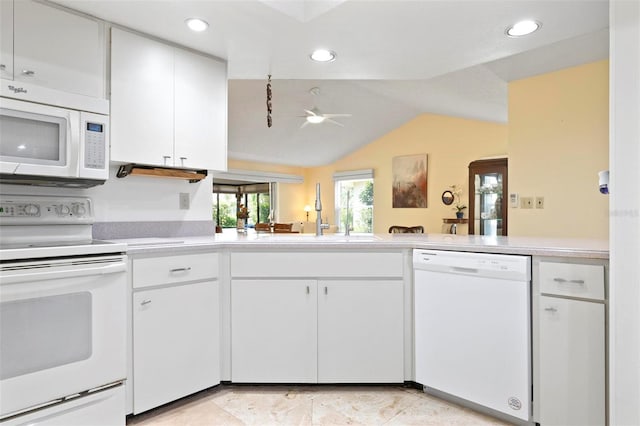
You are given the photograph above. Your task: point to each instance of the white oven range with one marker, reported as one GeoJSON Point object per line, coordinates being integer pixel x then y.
{"type": "Point", "coordinates": [62, 315]}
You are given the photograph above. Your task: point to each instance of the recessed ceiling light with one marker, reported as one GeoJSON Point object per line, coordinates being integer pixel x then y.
{"type": "Point", "coordinates": [523, 28]}
{"type": "Point", "coordinates": [323, 55]}
{"type": "Point", "coordinates": [197, 24]}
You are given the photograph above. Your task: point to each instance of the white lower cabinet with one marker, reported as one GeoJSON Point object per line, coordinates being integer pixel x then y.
{"type": "Point", "coordinates": [274, 331]}
{"type": "Point", "coordinates": [569, 342]}
{"type": "Point", "coordinates": [315, 330]}
{"type": "Point", "coordinates": [175, 340]}
{"type": "Point", "coordinates": [572, 362]}
{"type": "Point", "coordinates": [360, 331]}
{"type": "Point", "coordinates": [176, 328]}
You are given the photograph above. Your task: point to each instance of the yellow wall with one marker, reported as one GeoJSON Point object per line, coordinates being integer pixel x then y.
{"type": "Point", "coordinates": [558, 141]}
{"type": "Point", "coordinates": [450, 143]}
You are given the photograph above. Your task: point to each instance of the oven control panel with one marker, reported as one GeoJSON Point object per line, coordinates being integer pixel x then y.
{"type": "Point", "coordinates": [26, 209]}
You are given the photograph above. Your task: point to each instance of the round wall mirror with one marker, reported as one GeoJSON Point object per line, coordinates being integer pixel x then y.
{"type": "Point", "coordinates": [447, 198]}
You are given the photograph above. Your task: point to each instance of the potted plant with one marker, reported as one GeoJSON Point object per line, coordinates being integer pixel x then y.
{"type": "Point", "coordinates": [243, 215]}
{"type": "Point", "coordinates": [458, 207]}
{"type": "Point", "coordinates": [459, 210]}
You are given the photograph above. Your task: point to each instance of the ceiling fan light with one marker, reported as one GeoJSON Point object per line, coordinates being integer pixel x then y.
{"type": "Point", "coordinates": [323, 55]}
{"type": "Point", "coordinates": [523, 28]}
{"type": "Point", "coordinates": [196, 24]}
{"type": "Point", "coordinates": [315, 119]}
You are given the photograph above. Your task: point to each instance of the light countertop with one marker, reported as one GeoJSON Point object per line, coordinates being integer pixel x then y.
{"type": "Point", "coordinates": [539, 246]}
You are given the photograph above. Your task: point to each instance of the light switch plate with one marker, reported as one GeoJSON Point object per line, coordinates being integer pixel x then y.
{"type": "Point", "coordinates": [526, 202]}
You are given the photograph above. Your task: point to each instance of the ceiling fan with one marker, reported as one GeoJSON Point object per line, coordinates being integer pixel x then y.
{"type": "Point", "coordinates": [314, 116]}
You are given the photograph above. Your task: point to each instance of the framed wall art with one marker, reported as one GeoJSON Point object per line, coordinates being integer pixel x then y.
{"type": "Point", "coordinates": [410, 181]}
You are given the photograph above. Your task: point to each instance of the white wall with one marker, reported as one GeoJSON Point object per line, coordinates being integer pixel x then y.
{"type": "Point", "coordinates": [624, 154]}
{"type": "Point", "coordinates": [134, 198]}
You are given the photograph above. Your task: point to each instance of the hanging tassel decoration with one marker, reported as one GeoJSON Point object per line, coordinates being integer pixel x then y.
{"type": "Point", "coordinates": [269, 120]}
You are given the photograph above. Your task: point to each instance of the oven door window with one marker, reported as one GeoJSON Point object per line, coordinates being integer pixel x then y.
{"type": "Point", "coordinates": [33, 138]}
{"type": "Point", "coordinates": [45, 332]}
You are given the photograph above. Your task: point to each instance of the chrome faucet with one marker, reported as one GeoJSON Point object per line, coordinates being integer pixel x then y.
{"type": "Point", "coordinates": [346, 219]}
{"type": "Point", "coordinates": [319, 225]}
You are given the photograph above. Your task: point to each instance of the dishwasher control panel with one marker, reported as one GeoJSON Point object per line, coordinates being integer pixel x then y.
{"type": "Point", "coordinates": [481, 264]}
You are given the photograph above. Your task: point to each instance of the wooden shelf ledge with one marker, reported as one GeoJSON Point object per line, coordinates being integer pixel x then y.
{"type": "Point", "coordinates": [454, 220]}
{"type": "Point", "coordinates": [164, 172]}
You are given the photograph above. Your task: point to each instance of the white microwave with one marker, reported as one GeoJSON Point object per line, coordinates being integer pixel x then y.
{"type": "Point", "coordinates": [51, 145]}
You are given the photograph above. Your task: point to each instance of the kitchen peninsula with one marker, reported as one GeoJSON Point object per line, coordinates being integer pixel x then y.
{"type": "Point", "coordinates": [278, 308]}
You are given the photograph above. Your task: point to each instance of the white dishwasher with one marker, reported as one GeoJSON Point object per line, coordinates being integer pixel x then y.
{"type": "Point", "coordinates": [472, 328]}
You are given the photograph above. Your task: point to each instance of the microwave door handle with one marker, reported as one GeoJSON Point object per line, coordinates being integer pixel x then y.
{"type": "Point", "coordinates": [13, 277]}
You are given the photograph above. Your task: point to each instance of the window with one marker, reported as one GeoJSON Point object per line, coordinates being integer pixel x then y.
{"type": "Point", "coordinates": [354, 200]}
{"type": "Point", "coordinates": [227, 199]}
{"type": "Point", "coordinates": [224, 210]}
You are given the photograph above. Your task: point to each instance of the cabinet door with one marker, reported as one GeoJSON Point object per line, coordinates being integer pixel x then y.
{"type": "Point", "coordinates": [6, 39]}
{"type": "Point", "coordinates": [58, 50]}
{"type": "Point", "coordinates": [360, 331]}
{"type": "Point", "coordinates": [200, 112]}
{"type": "Point", "coordinates": [141, 100]}
{"type": "Point", "coordinates": [571, 362]}
{"type": "Point", "coordinates": [274, 335]}
{"type": "Point", "coordinates": [176, 348]}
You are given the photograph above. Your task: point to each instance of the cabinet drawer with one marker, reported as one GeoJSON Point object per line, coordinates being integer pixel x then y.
{"type": "Point", "coordinates": [570, 279]}
{"type": "Point", "coordinates": [174, 269]}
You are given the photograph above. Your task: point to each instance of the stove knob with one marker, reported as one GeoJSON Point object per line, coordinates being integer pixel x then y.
{"type": "Point", "coordinates": [62, 210]}
{"type": "Point", "coordinates": [79, 210]}
{"type": "Point", "coordinates": [32, 209]}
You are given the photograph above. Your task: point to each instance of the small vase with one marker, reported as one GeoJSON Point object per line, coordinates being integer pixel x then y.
{"type": "Point", "coordinates": [459, 215]}
{"type": "Point", "coordinates": [240, 226]}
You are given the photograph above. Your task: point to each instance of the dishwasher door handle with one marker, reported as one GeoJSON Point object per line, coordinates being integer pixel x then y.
{"type": "Point", "coordinates": [464, 270]}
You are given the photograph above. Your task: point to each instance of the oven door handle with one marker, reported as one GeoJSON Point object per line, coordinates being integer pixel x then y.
{"type": "Point", "coordinates": [13, 277]}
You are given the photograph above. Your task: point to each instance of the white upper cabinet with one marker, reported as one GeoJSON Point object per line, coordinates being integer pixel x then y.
{"type": "Point", "coordinates": [52, 48]}
{"type": "Point", "coordinates": [168, 105]}
{"type": "Point", "coordinates": [141, 100]}
{"type": "Point", "coordinates": [200, 111]}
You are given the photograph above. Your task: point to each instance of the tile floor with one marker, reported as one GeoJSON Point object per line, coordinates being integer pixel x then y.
{"type": "Point", "coordinates": [311, 405]}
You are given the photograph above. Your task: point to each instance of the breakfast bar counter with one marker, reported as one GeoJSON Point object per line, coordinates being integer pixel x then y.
{"type": "Point", "coordinates": [534, 246]}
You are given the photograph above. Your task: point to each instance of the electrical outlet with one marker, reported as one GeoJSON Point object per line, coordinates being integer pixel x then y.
{"type": "Point", "coordinates": [539, 202]}
{"type": "Point", "coordinates": [526, 202]}
{"type": "Point", "coordinates": [184, 201]}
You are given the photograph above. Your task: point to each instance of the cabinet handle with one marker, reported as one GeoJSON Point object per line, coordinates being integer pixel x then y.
{"type": "Point", "coordinates": [166, 157]}
{"type": "Point", "coordinates": [28, 73]}
{"type": "Point", "coordinates": [188, 268]}
{"type": "Point", "coordinates": [562, 281]}
{"type": "Point", "coordinates": [308, 291]}
{"type": "Point", "coordinates": [182, 160]}
{"type": "Point", "coordinates": [551, 309]}
{"type": "Point", "coordinates": [3, 67]}
{"type": "Point", "coordinates": [326, 290]}
{"type": "Point", "coordinates": [145, 302]}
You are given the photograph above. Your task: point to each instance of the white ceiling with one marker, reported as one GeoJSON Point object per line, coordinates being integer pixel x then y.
{"type": "Point", "coordinates": [396, 59]}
